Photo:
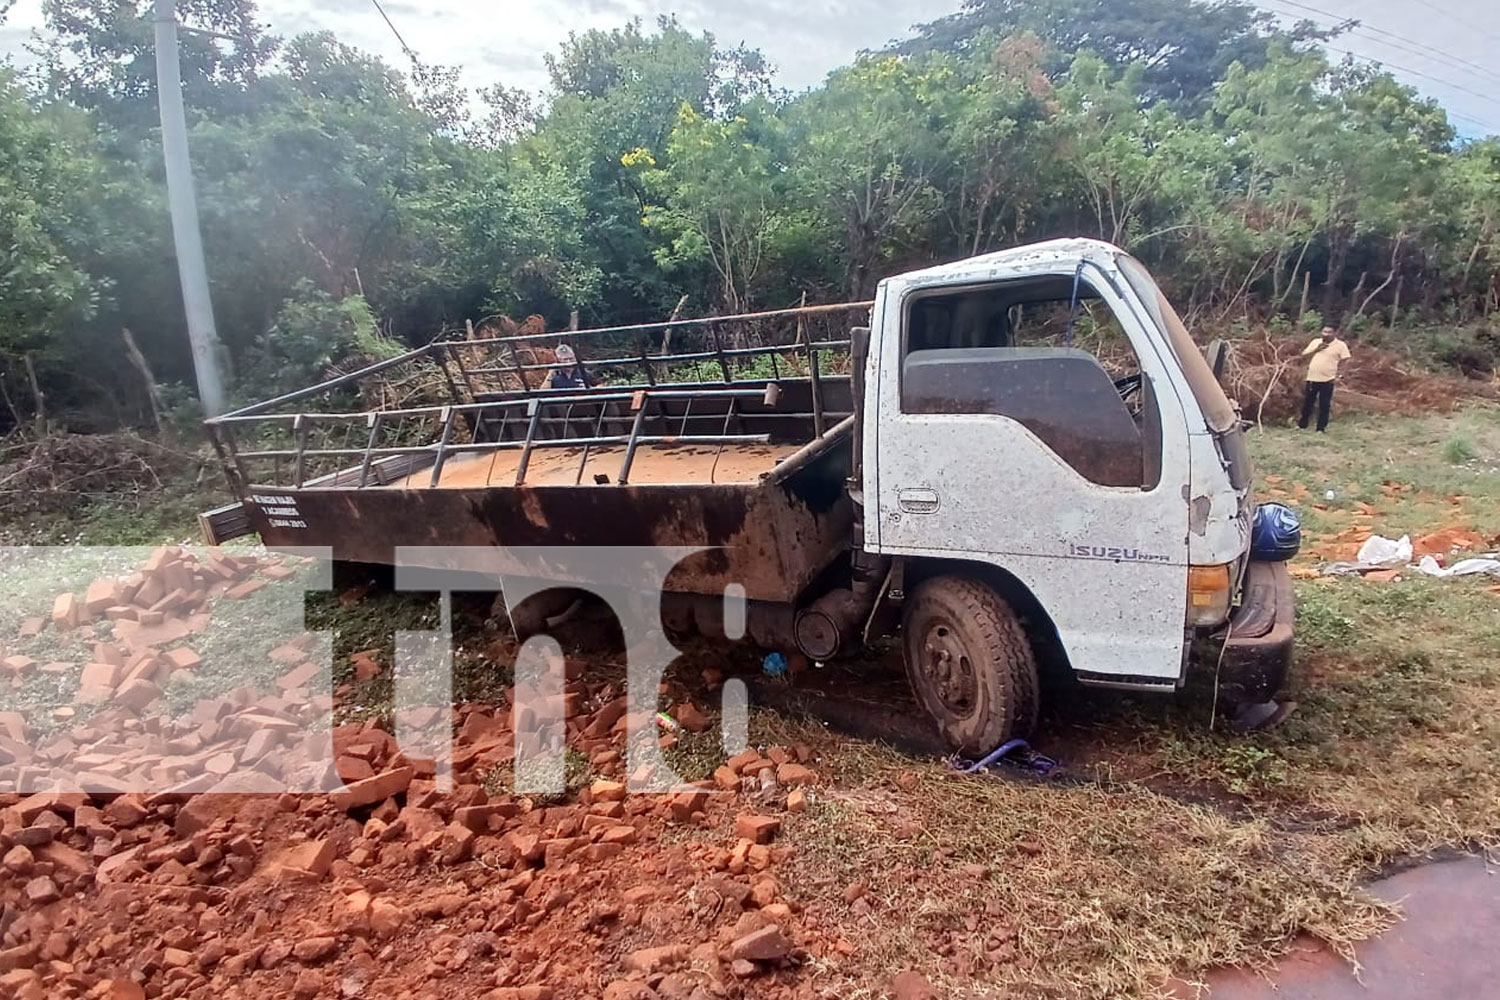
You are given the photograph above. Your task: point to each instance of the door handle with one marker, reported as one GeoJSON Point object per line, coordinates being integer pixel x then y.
{"type": "Point", "coordinates": [918, 500]}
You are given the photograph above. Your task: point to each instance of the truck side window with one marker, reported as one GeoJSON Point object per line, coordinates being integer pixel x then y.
{"type": "Point", "coordinates": [1002, 349]}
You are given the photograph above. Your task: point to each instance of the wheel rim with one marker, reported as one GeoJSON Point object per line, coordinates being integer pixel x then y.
{"type": "Point", "coordinates": [945, 669]}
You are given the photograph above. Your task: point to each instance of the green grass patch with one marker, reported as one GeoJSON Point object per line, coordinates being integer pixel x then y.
{"type": "Point", "coordinates": [1459, 449]}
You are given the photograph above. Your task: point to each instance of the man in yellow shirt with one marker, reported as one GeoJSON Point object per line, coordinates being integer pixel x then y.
{"type": "Point", "coordinates": [1326, 352]}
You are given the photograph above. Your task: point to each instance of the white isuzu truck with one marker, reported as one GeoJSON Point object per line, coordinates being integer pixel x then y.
{"type": "Point", "coordinates": [1009, 459]}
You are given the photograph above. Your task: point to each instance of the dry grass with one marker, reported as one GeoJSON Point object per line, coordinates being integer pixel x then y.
{"type": "Point", "coordinates": [1085, 890]}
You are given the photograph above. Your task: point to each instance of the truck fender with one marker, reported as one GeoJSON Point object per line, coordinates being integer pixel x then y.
{"type": "Point", "coordinates": [1046, 644]}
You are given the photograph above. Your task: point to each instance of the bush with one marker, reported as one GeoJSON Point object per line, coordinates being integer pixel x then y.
{"type": "Point", "coordinates": [1474, 360]}
{"type": "Point", "coordinates": [312, 333]}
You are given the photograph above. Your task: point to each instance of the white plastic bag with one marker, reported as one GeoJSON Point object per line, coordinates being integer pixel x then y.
{"type": "Point", "coordinates": [1378, 551]}
{"type": "Point", "coordinates": [1463, 567]}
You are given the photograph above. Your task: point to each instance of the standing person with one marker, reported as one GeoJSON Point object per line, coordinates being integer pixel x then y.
{"type": "Point", "coordinates": [569, 374]}
{"type": "Point", "coordinates": [1326, 351]}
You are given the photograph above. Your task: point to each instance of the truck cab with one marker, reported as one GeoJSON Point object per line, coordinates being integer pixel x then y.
{"type": "Point", "coordinates": [1053, 466]}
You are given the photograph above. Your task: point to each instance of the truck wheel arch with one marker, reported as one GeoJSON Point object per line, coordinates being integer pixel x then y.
{"type": "Point", "coordinates": [1046, 645]}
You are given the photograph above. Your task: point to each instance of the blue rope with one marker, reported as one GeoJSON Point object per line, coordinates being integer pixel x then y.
{"type": "Point", "coordinates": [1026, 759]}
{"type": "Point", "coordinates": [1073, 306]}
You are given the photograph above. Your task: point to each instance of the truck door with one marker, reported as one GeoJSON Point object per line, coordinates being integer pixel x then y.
{"type": "Point", "coordinates": [1029, 423]}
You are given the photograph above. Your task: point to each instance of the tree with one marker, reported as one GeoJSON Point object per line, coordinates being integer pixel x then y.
{"type": "Point", "coordinates": [1237, 161]}
{"type": "Point", "coordinates": [866, 151]}
{"type": "Point", "coordinates": [1181, 46]}
{"type": "Point", "coordinates": [103, 54]}
{"type": "Point", "coordinates": [999, 142]}
{"type": "Point", "coordinates": [526, 230]}
{"type": "Point", "coordinates": [1469, 250]}
{"type": "Point", "coordinates": [1118, 149]}
{"type": "Point", "coordinates": [324, 178]}
{"type": "Point", "coordinates": [311, 332]}
{"type": "Point", "coordinates": [45, 288]}
{"type": "Point", "coordinates": [615, 93]}
{"type": "Point", "coordinates": [713, 199]}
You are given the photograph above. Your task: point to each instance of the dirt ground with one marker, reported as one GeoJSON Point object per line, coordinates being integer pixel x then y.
{"type": "Point", "coordinates": [820, 863]}
{"type": "Point", "coordinates": [1265, 376]}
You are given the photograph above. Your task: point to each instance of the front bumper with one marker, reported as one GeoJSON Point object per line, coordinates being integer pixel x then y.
{"type": "Point", "coordinates": [1257, 642]}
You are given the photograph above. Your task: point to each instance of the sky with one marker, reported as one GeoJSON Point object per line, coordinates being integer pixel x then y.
{"type": "Point", "coordinates": [1444, 48]}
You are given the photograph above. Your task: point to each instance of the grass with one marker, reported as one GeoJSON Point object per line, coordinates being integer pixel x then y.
{"type": "Point", "coordinates": [1108, 891]}
{"type": "Point", "coordinates": [1459, 449]}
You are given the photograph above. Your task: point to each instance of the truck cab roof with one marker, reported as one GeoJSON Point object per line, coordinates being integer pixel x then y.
{"type": "Point", "coordinates": [1036, 256]}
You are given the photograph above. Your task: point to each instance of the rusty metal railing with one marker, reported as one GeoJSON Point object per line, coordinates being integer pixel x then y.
{"type": "Point", "coordinates": [477, 420]}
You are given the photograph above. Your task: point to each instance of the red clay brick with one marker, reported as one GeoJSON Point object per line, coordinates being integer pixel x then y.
{"type": "Point", "coordinates": [101, 675]}
{"type": "Point", "coordinates": [65, 611]}
{"type": "Point", "coordinates": [309, 860]}
{"type": "Point", "coordinates": [171, 602]}
{"type": "Point", "coordinates": [13, 725]}
{"type": "Point", "coordinates": [373, 790]}
{"type": "Point", "coordinates": [241, 591]}
{"type": "Point", "coordinates": [151, 591]}
{"type": "Point", "coordinates": [102, 593]}
{"type": "Point", "coordinates": [161, 558]}
{"type": "Point", "coordinates": [300, 677]}
{"type": "Point", "coordinates": [137, 694]}
{"type": "Point", "coordinates": [18, 665]}
{"type": "Point", "coordinates": [796, 774]}
{"type": "Point", "coordinates": [756, 828]}
{"type": "Point", "coordinates": [183, 658]}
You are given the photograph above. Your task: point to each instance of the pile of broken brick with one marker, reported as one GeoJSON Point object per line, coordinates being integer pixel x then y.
{"type": "Point", "coordinates": [167, 601]}
{"type": "Point", "coordinates": [389, 885]}
{"type": "Point", "coordinates": [267, 866]}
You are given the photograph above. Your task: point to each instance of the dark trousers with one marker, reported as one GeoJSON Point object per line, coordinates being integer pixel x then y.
{"type": "Point", "coordinates": [1320, 393]}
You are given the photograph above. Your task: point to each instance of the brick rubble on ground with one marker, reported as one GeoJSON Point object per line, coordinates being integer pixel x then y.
{"type": "Point", "coordinates": [225, 886]}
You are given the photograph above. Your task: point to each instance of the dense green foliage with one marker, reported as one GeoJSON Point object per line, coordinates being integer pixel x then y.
{"type": "Point", "coordinates": [348, 206]}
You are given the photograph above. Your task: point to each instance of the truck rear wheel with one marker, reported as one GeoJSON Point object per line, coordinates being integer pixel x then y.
{"type": "Point", "coordinates": [969, 663]}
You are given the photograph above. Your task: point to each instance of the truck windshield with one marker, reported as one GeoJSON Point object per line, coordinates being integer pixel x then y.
{"type": "Point", "coordinates": [1216, 407]}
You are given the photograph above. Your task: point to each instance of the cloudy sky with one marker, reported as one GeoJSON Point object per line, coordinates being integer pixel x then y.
{"type": "Point", "coordinates": [1443, 47]}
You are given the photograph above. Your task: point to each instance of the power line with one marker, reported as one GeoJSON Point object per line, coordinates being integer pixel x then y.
{"type": "Point", "coordinates": [1491, 129]}
{"type": "Point", "coordinates": [1459, 20]}
{"type": "Point", "coordinates": [1402, 43]}
{"type": "Point", "coordinates": [1477, 71]}
{"type": "Point", "coordinates": [1414, 72]}
{"type": "Point", "coordinates": [404, 47]}
{"type": "Point", "coordinates": [1489, 100]}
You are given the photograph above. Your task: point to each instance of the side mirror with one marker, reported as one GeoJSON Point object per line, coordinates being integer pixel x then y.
{"type": "Point", "coordinates": [1217, 354]}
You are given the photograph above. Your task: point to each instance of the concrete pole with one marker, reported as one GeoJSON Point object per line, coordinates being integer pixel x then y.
{"type": "Point", "coordinates": [184, 206]}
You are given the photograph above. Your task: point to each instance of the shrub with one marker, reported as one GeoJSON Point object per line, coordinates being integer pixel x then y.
{"type": "Point", "coordinates": [312, 332]}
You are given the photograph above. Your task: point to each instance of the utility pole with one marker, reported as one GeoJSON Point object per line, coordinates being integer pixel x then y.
{"type": "Point", "coordinates": [191, 269]}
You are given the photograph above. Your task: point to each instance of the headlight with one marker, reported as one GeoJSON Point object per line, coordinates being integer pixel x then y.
{"type": "Point", "coordinates": [1208, 596]}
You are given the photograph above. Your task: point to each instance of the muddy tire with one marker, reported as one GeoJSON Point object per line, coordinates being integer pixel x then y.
{"type": "Point", "coordinates": [970, 664]}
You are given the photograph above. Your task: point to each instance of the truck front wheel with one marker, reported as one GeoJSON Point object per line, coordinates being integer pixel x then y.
{"type": "Point", "coordinates": [969, 663]}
